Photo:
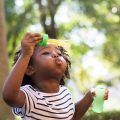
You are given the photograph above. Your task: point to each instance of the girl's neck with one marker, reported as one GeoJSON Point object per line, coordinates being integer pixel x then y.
{"type": "Point", "coordinates": [48, 86]}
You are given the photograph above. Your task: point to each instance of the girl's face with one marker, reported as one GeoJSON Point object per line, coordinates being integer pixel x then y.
{"type": "Point", "coordinates": [49, 62]}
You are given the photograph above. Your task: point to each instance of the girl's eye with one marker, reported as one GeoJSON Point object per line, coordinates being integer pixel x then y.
{"type": "Point", "coordinates": [59, 54]}
{"type": "Point", "coordinates": [46, 53]}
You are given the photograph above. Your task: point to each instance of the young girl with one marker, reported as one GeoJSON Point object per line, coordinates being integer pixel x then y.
{"type": "Point", "coordinates": [35, 86]}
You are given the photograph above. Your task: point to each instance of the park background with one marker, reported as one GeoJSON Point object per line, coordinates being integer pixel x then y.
{"type": "Point", "coordinates": [92, 28]}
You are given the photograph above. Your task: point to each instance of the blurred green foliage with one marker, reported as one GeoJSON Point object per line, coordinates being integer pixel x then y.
{"type": "Point", "coordinates": [113, 115]}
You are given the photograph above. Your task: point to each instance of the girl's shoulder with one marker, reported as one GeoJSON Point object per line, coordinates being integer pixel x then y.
{"type": "Point", "coordinates": [25, 87]}
{"type": "Point", "coordinates": [64, 88]}
{"type": "Point", "coordinates": [28, 89]}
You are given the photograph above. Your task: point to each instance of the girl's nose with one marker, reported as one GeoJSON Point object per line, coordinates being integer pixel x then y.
{"type": "Point", "coordinates": [54, 55]}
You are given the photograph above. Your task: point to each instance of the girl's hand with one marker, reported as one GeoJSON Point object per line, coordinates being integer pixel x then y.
{"type": "Point", "coordinates": [28, 43]}
{"type": "Point", "coordinates": [105, 96]}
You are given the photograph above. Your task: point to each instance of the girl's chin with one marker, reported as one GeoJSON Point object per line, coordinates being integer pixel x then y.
{"type": "Point", "coordinates": [57, 74]}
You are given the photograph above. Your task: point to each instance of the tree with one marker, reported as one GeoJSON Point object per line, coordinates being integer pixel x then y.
{"type": "Point", "coordinates": [48, 11]}
{"type": "Point", "coordinates": [18, 22]}
{"type": "Point", "coordinates": [4, 110]}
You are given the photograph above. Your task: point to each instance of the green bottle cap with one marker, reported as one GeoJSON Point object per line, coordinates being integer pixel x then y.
{"type": "Point", "coordinates": [98, 102]}
{"type": "Point", "coordinates": [44, 40]}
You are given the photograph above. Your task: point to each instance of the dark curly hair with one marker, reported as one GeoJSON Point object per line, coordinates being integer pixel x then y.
{"type": "Point", "coordinates": [27, 80]}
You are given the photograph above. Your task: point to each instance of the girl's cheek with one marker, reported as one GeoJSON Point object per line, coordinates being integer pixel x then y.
{"type": "Point", "coordinates": [62, 58]}
{"type": "Point", "coordinates": [64, 61]}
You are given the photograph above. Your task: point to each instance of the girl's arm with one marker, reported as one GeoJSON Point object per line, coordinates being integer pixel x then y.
{"type": "Point", "coordinates": [12, 94]}
{"type": "Point", "coordinates": [82, 106]}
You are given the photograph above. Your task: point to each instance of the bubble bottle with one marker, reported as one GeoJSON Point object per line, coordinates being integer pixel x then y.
{"type": "Point", "coordinates": [98, 102]}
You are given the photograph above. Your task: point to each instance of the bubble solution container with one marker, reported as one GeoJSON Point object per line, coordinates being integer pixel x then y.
{"type": "Point", "coordinates": [44, 40]}
{"type": "Point", "coordinates": [98, 102]}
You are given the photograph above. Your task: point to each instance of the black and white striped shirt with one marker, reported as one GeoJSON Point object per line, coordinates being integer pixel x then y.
{"type": "Point", "coordinates": [46, 106]}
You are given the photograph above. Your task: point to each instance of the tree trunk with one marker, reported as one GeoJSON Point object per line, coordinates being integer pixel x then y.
{"type": "Point", "coordinates": [5, 112]}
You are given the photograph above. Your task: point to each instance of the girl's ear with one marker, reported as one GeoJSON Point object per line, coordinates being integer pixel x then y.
{"type": "Point", "coordinates": [30, 70]}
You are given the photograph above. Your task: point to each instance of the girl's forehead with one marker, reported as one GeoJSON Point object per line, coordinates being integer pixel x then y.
{"type": "Point", "coordinates": [48, 47]}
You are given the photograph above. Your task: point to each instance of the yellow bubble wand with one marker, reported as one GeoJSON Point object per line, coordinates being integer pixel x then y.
{"type": "Point", "coordinates": [46, 40]}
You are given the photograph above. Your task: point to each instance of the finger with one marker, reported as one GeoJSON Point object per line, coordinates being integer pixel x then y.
{"type": "Point", "coordinates": [31, 35]}
{"type": "Point", "coordinates": [32, 39]}
{"type": "Point", "coordinates": [35, 39]}
{"type": "Point", "coordinates": [36, 42]}
{"type": "Point", "coordinates": [28, 35]}
{"type": "Point", "coordinates": [106, 97]}
{"type": "Point", "coordinates": [93, 92]}
{"type": "Point", "coordinates": [37, 35]}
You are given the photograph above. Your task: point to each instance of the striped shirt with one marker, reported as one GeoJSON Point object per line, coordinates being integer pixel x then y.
{"type": "Point", "coordinates": [46, 106]}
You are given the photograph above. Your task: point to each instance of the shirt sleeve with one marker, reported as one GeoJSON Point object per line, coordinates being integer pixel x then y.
{"type": "Point", "coordinates": [26, 107]}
